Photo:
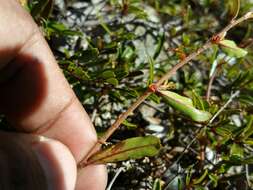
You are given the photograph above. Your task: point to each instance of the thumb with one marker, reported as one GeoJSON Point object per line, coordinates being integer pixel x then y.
{"type": "Point", "coordinates": [35, 162]}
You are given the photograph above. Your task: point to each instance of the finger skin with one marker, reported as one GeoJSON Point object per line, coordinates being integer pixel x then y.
{"type": "Point", "coordinates": [34, 94]}
{"type": "Point", "coordinates": [35, 162]}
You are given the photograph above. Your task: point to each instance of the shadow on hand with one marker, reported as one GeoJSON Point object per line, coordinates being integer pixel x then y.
{"type": "Point", "coordinates": [22, 86]}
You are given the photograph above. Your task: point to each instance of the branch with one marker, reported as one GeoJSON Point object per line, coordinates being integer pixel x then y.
{"type": "Point", "coordinates": [167, 76]}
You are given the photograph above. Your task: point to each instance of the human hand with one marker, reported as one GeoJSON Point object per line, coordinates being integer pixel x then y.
{"type": "Point", "coordinates": [53, 132]}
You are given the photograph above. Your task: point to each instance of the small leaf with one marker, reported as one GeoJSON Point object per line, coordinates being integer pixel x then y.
{"type": "Point", "coordinates": [159, 46]}
{"type": "Point", "coordinates": [42, 9]}
{"type": "Point", "coordinates": [230, 47]}
{"type": "Point", "coordinates": [137, 11]}
{"type": "Point", "coordinates": [128, 53]}
{"type": "Point", "coordinates": [186, 39]}
{"type": "Point", "coordinates": [248, 130]}
{"type": "Point", "coordinates": [151, 70]}
{"type": "Point", "coordinates": [236, 152]}
{"type": "Point", "coordinates": [129, 125]}
{"type": "Point", "coordinates": [53, 27]}
{"type": "Point", "coordinates": [214, 179]}
{"type": "Point", "coordinates": [157, 185]}
{"type": "Point", "coordinates": [104, 25]}
{"type": "Point", "coordinates": [202, 177]}
{"type": "Point", "coordinates": [185, 105]}
{"type": "Point", "coordinates": [113, 81]}
{"type": "Point", "coordinates": [153, 97]}
{"type": "Point", "coordinates": [108, 74]}
{"type": "Point", "coordinates": [133, 148]}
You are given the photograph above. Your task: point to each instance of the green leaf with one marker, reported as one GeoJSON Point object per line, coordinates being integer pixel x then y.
{"type": "Point", "coordinates": [153, 97]}
{"type": "Point", "coordinates": [234, 8]}
{"type": "Point", "coordinates": [77, 71]}
{"type": "Point", "coordinates": [133, 148]}
{"type": "Point", "coordinates": [189, 175]}
{"type": "Point", "coordinates": [186, 39]}
{"type": "Point", "coordinates": [137, 11]}
{"type": "Point", "coordinates": [236, 152]}
{"type": "Point", "coordinates": [129, 125]}
{"type": "Point", "coordinates": [53, 27]}
{"type": "Point", "coordinates": [224, 131]}
{"type": "Point", "coordinates": [249, 141]}
{"type": "Point", "coordinates": [214, 178]}
{"type": "Point", "coordinates": [38, 8]}
{"type": "Point", "coordinates": [197, 100]}
{"type": "Point", "coordinates": [104, 25]}
{"type": "Point", "coordinates": [159, 46]}
{"type": "Point", "coordinates": [185, 105]}
{"type": "Point", "coordinates": [202, 177]}
{"type": "Point", "coordinates": [42, 9]}
{"type": "Point", "coordinates": [151, 70]}
{"type": "Point", "coordinates": [157, 185]}
{"type": "Point", "coordinates": [113, 81]}
{"type": "Point", "coordinates": [230, 47]}
{"type": "Point", "coordinates": [108, 74]}
{"type": "Point", "coordinates": [128, 53]}
{"type": "Point", "coordinates": [248, 130]}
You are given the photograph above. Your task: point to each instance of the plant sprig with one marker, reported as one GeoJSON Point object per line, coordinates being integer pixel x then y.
{"type": "Point", "coordinates": [152, 89]}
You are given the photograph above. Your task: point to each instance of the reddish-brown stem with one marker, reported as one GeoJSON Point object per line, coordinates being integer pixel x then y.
{"type": "Point", "coordinates": [167, 76]}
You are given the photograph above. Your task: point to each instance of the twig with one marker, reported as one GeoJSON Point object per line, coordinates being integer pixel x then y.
{"type": "Point", "coordinates": [209, 88]}
{"type": "Point", "coordinates": [167, 76]}
{"type": "Point", "coordinates": [114, 178]}
{"type": "Point", "coordinates": [225, 105]}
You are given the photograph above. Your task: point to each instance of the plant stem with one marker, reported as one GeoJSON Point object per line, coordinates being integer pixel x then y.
{"type": "Point", "coordinates": [164, 78]}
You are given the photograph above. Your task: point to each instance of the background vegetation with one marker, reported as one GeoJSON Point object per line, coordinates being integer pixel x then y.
{"type": "Point", "coordinates": [112, 50]}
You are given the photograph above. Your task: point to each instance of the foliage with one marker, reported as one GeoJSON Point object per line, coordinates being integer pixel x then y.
{"type": "Point", "coordinates": [112, 50]}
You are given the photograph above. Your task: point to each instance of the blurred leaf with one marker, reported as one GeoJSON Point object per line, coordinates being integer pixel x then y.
{"type": "Point", "coordinates": [180, 184]}
{"type": "Point", "coordinates": [42, 9]}
{"type": "Point", "coordinates": [129, 125]}
{"type": "Point", "coordinates": [77, 71]}
{"type": "Point", "coordinates": [104, 25]}
{"type": "Point", "coordinates": [185, 105]}
{"type": "Point", "coordinates": [225, 131]}
{"type": "Point", "coordinates": [157, 185]}
{"type": "Point", "coordinates": [197, 100]}
{"type": "Point", "coordinates": [151, 70]}
{"type": "Point", "coordinates": [133, 148]}
{"type": "Point", "coordinates": [137, 11]}
{"type": "Point", "coordinates": [214, 178]}
{"type": "Point", "coordinates": [202, 177]}
{"type": "Point", "coordinates": [159, 46]}
{"type": "Point", "coordinates": [108, 74]}
{"type": "Point", "coordinates": [113, 81]}
{"type": "Point", "coordinates": [249, 141]}
{"type": "Point", "coordinates": [128, 53]}
{"type": "Point", "coordinates": [87, 55]}
{"type": "Point", "coordinates": [186, 39]}
{"type": "Point", "coordinates": [236, 152]}
{"type": "Point", "coordinates": [56, 28]}
{"type": "Point", "coordinates": [248, 130]}
{"type": "Point", "coordinates": [232, 49]}
{"type": "Point", "coordinates": [189, 175]}
{"type": "Point", "coordinates": [153, 97]}
{"type": "Point", "coordinates": [234, 8]}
